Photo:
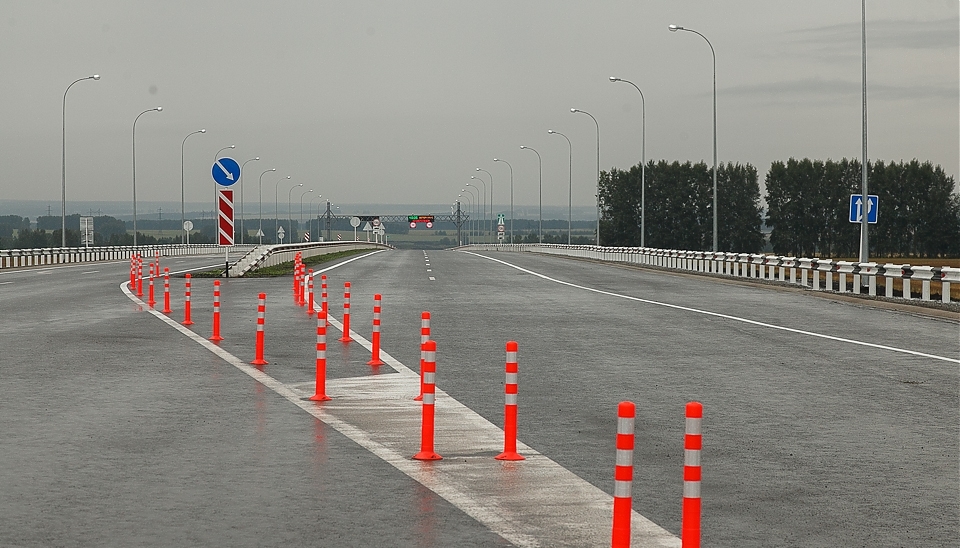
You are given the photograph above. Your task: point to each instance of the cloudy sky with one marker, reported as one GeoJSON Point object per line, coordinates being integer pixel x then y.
{"type": "Point", "coordinates": [398, 102]}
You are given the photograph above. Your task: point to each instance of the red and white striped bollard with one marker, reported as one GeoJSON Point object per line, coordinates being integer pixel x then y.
{"type": "Point", "coordinates": [310, 292]}
{"type": "Point", "coordinates": [216, 312]}
{"type": "Point", "coordinates": [186, 303]}
{"type": "Point", "coordinates": [323, 296]}
{"type": "Point", "coordinates": [510, 407]}
{"type": "Point", "coordinates": [424, 337]}
{"type": "Point", "coordinates": [321, 392]}
{"type": "Point", "coordinates": [346, 313]}
{"type": "Point", "coordinates": [166, 290]}
{"type": "Point", "coordinates": [429, 399]}
{"type": "Point", "coordinates": [623, 475]}
{"type": "Point", "coordinates": [261, 318]}
{"type": "Point", "coordinates": [375, 352]}
{"type": "Point", "coordinates": [692, 445]}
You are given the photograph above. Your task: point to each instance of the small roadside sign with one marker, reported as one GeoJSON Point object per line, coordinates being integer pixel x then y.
{"type": "Point", "coordinates": [856, 208]}
{"type": "Point", "coordinates": [367, 227]}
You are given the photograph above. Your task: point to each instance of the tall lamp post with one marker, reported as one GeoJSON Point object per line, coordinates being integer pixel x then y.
{"type": "Point", "coordinates": [511, 195]}
{"type": "Point", "coordinates": [643, 161]}
{"type": "Point", "coordinates": [289, 217]}
{"type": "Point", "coordinates": [183, 219]}
{"type": "Point", "coordinates": [301, 207]}
{"type": "Point", "coordinates": [63, 163]}
{"type": "Point", "coordinates": [483, 205]}
{"type": "Point", "coordinates": [864, 238]}
{"type": "Point", "coordinates": [491, 201]}
{"type": "Point", "coordinates": [570, 200]}
{"type": "Point", "coordinates": [540, 165]}
{"type": "Point", "coordinates": [469, 196]}
{"type": "Point", "coordinates": [474, 203]}
{"type": "Point", "coordinates": [598, 168]}
{"type": "Point", "coordinates": [158, 109]}
{"type": "Point", "coordinates": [243, 232]}
{"type": "Point", "coordinates": [276, 213]}
{"type": "Point", "coordinates": [309, 209]}
{"type": "Point", "coordinates": [675, 28]}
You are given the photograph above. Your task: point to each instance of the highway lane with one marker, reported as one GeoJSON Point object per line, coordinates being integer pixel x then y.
{"type": "Point", "coordinates": [119, 433]}
{"type": "Point", "coordinates": [808, 441]}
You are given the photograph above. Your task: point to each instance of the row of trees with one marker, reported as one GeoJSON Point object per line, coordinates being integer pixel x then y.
{"type": "Point", "coordinates": [807, 208]}
{"type": "Point", "coordinates": [679, 204]}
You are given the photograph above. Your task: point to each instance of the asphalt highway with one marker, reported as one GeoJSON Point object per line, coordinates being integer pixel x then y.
{"type": "Point", "coordinates": [825, 423]}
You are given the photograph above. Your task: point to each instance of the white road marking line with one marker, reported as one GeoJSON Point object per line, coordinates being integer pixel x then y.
{"type": "Point", "coordinates": [428, 270]}
{"type": "Point", "coordinates": [719, 315]}
{"type": "Point", "coordinates": [91, 272]}
{"type": "Point", "coordinates": [5, 283]}
{"type": "Point", "coordinates": [580, 511]}
{"type": "Point", "coordinates": [432, 279]}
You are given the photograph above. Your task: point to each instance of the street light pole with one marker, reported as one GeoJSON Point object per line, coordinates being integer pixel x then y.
{"type": "Point", "coordinates": [643, 161]}
{"type": "Point", "coordinates": [483, 202]}
{"type": "Point", "coordinates": [570, 202]}
{"type": "Point", "coordinates": [63, 163]}
{"type": "Point", "coordinates": [474, 203]}
{"type": "Point", "coordinates": [540, 164]}
{"type": "Point", "coordinates": [276, 206]}
{"type": "Point", "coordinates": [864, 237]}
{"type": "Point", "coordinates": [158, 109]}
{"type": "Point", "coordinates": [491, 202]}
{"type": "Point", "coordinates": [289, 218]}
{"type": "Point", "coordinates": [470, 204]}
{"type": "Point", "coordinates": [301, 207]}
{"type": "Point", "coordinates": [511, 195]}
{"type": "Point", "coordinates": [243, 232]}
{"type": "Point", "coordinates": [598, 168]}
{"type": "Point", "coordinates": [183, 218]}
{"type": "Point", "coordinates": [675, 28]}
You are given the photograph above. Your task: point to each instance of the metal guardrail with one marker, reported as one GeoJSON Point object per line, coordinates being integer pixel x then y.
{"type": "Point", "coordinates": [817, 274]}
{"type": "Point", "coordinates": [19, 258]}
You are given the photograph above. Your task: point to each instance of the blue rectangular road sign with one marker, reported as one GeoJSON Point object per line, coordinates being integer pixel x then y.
{"type": "Point", "coordinates": [856, 208]}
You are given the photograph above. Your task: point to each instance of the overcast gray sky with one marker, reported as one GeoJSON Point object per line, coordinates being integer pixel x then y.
{"type": "Point", "coordinates": [398, 102]}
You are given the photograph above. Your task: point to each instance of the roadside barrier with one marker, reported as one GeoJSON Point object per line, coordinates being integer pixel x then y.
{"type": "Point", "coordinates": [166, 291]}
{"type": "Point", "coordinates": [346, 313]}
{"type": "Point", "coordinates": [186, 303]}
{"type": "Point", "coordinates": [375, 353]}
{"type": "Point", "coordinates": [623, 475]}
{"type": "Point", "coordinates": [310, 292]}
{"type": "Point", "coordinates": [216, 312]}
{"type": "Point", "coordinates": [510, 407]}
{"type": "Point", "coordinates": [692, 444]}
{"type": "Point", "coordinates": [261, 313]}
{"type": "Point", "coordinates": [150, 300]}
{"type": "Point", "coordinates": [424, 337]}
{"type": "Point", "coordinates": [429, 398]}
{"type": "Point", "coordinates": [321, 392]}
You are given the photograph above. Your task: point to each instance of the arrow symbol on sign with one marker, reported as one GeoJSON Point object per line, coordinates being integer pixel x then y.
{"type": "Point", "coordinates": [225, 171]}
{"type": "Point", "coordinates": [859, 204]}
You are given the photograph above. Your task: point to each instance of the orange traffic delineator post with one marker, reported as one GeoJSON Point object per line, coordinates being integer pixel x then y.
{"type": "Point", "coordinates": [375, 353]}
{"type": "Point", "coordinates": [140, 279]}
{"type": "Point", "coordinates": [186, 303]}
{"type": "Point", "coordinates": [429, 399]}
{"type": "Point", "coordinates": [321, 393]}
{"type": "Point", "coordinates": [510, 407]}
{"type": "Point", "coordinates": [623, 475]}
{"type": "Point", "coordinates": [157, 264]}
{"type": "Point", "coordinates": [303, 284]}
{"type": "Point", "coordinates": [692, 444]}
{"type": "Point", "coordinates": [133, 272]}
{"type": "Point", "coordinates": [151, 301]}
{"type": "Point", "coordinates": [424, 337]}
{"type": "Point", "coordinates": [166, 290]}
{"type": "Point", "coordinates": [346, 313]}
{"type": "Point", "coordinates": [310, 292]}
{"type": "Point", "coordinates": [216, 312]}
{"type": "Point", "coordinates": [323, 295]}
{"type": "Point", "coordinates": [261, 313]}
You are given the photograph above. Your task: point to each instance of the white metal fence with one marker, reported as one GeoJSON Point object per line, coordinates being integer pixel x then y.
{"type": "Point", "coordinates": [914, 282]}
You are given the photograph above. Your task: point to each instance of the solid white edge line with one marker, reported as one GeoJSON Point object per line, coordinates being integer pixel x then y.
{"type": "Point", "coordinates": [719, 315]}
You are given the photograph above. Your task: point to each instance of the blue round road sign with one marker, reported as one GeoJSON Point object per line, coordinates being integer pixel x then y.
{"type": "Point", "coordinates": [226, 171]}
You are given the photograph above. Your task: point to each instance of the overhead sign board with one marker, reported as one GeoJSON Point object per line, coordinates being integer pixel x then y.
{"type": "Point", "coordinates": [420, 218]}
{"type": "Point", "coordinates": [226, 171]}
{"type": "Point", "coordinates": [225, 216]}
{"type": "Point", "coordinates": [857, 205]}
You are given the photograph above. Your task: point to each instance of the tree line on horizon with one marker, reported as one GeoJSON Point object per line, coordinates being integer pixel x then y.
{"type": "Point", "coordinates": [807, 208]}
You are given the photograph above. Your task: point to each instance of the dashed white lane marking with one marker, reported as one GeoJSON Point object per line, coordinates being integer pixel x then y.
{"type": "Point", "coordinates": [5, 283]}
{"type": "Point", "coordinates": [91, 272]}
{"type": "Point", "coordinates": [719, 315]}
{"type": "Point", "coordinates": [428, 270]}
{"type": "Point", "coordinates": [432, 279]}
{"type": "Point", "coordinates": [506, 497]}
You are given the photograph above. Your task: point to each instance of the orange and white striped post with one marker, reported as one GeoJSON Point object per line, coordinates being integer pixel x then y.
{"type": "Point", "coordinates": [216, 312]}
{"type": "Point", "coordinates": [424, 337]}
{"type": "Point", "coordinates": [321, 393]}
{"type": "Point", "coordinates": [151, 301]}
{"type": "Point", "coordinates": [623, 476]}
{"type": "Point", "coordinates": [375, 351]}
{"type": "Point", "coordinates": [692, 444]}
{"type": "Point", "coordinates": [140, 278]}
{"type": "Point", "coordinates": [303, 285]}
{"type": "Point", "coordinates": [310, 292]}
{"type": "Point", "coordinates": [133, 273]}
{"type": "Point", "coordinates": [166, 291]}
{"type": "Point", "coordinates": [261, 316]}
{"type": "Point", "coordinates": [186, 303]}
{"type": "Point", "coordinates": [510, 407]}
{"type": "Point", "coordinates": [157, 264]}
{"type": "Point", "coordinates": [323, 295]}
{"type": "Point", "coordinates": [346, 313]}
{"type": "Point", "coordinates": [429, 399]}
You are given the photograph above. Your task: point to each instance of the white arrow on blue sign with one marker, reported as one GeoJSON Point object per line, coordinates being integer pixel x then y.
{"type": "Point", "coordinates": [856, 208]}
{"type": "Point", "coordinates": [226, 171]}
